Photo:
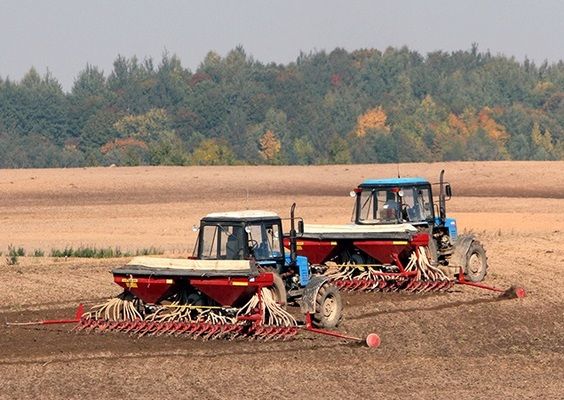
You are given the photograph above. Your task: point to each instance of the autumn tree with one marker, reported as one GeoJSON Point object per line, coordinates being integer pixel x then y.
{"type": "Point", "coordinates": [543, 142]}
{"type": "Point", "coordinates": [269, 146]}
{"type": "Point", "coordinates": [373, 119]}
{"type": "Point", "coordinates": [212, 152]}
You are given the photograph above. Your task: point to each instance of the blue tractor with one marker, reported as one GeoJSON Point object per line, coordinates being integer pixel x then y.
{"type": "Point", "coordinates": [410, 201]}
{"type": "Point", "coordinates": [258, 235]}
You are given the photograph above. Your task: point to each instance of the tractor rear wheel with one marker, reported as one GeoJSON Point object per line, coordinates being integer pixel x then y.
{"type": "Point", "coordinates": [432, 252]}
{"type": "Point", "coordinates": [278, 290]}
{"type": "Point", "coordinates": [476, 263]}
{"type": "Point", "coordinates": [328, 307]}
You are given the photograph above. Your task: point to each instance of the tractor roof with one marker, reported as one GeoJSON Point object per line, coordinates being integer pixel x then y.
{"type": "Point", "coordinates": [245, 215]}
{"type": "Point", "coordinates": [394, 182]}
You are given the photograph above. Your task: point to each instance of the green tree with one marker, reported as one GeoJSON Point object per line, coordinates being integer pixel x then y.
{"type": "Point", "coordinates": [339, 152]}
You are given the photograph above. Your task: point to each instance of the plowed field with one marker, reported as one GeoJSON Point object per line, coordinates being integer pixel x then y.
{"type": "Point", "coordinates": [465, 344]}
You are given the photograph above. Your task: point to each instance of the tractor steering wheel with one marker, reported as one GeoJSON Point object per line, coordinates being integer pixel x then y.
{"type": "Point", "coordinates": [253, 244]}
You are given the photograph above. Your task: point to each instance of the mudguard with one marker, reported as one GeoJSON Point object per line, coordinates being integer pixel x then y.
{"type": "Point", "coordinates": [307, 302]}
{"type": "Point", "coordinates": [458, 258]}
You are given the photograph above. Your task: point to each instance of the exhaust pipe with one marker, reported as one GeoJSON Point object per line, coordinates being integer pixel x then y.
{"type": "Point", "coordinates": [442, 199]}
{"type": "Point", "coordinates": [293, 237]}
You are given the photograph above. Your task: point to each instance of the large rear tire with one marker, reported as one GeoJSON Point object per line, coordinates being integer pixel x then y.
{"type": "Point", "coordinates": [476, 263]}
{"type": "Point", "coordinates": [328, 307]}
{"type": "Point", "coordinates": [432, 252]}
{"type": "Point", "coordinates": [278, 290]}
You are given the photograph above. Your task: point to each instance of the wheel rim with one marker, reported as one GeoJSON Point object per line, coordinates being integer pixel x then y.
{"type": "Point", "coordinates": [475, 264]}
{"type": "Point", "coordinates": [329, 307]}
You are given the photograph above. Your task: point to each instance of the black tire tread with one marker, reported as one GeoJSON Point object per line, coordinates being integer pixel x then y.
{"type": "Point", "coordinates": [477, 246]}
{"type": "Point", "coordinates": [318, 319]}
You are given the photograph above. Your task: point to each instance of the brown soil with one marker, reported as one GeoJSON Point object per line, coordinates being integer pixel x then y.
{"type": "Point", "coordinates": [466, 344]}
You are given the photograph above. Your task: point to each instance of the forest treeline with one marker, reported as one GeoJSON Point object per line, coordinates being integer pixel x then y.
{"type": "Point", "coordinates": [338, 107]}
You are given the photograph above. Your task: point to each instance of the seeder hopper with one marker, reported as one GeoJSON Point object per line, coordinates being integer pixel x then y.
{"type": "Point", "coordinates": [350, 258]}
{"type": "Point", "coordinates": [203, 298]}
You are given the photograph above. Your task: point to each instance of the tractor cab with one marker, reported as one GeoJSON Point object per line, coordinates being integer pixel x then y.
{"type": "Point", "coordinates": [241, 235]}
{"type": "Point", "coordinates": [394, 201]}
{"type": "Point", "coordinates": [407, 201]}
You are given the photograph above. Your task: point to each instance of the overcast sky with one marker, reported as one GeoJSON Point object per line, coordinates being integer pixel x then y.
{"type": "Point", "coordinates": [64, 35]}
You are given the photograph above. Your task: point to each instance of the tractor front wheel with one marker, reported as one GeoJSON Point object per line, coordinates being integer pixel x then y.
{"type": "Point", "coordinates": [328, 307]}
{"type": "Point", "coordinates": [476, 263]}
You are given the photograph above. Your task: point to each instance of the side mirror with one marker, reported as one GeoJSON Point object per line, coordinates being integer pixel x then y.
{"type": "Point", "coordinates": [355, 192]}
{"type": "Point", "coordinates": [195, 228]}
{"type": "Point", "coordinates": [448, 191]}
{"type": "Point", "coordinates": [300, 226]}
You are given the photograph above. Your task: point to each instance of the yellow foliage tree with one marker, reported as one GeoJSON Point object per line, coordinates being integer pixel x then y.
{"type": "Point", "coordinates": [543, 86]}
{"type": "Point", "coordinates": [269, 145]}
{"type": "Point", "coordinates": [144, 126]}
{"type": "Point", "coordinates": [458, 124]}
{"type": "Point", "coordinates": [428, 104]}
{"type": "Point", "coordinates": [211, 152]}
{"type": "Point", "coordinates": [542, 140]}
{"type": "Point", "coordinates": [375, 118]}
{"type": "Point", "coordinates": [494, 130]}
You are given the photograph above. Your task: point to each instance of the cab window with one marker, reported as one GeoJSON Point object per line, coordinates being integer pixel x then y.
{"type": "Point", "coordinates": [222, 242]}
{"type": "Point", "coordinates": [416, 204]}
{"type": "Point", "coordinates": [264, 240]}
